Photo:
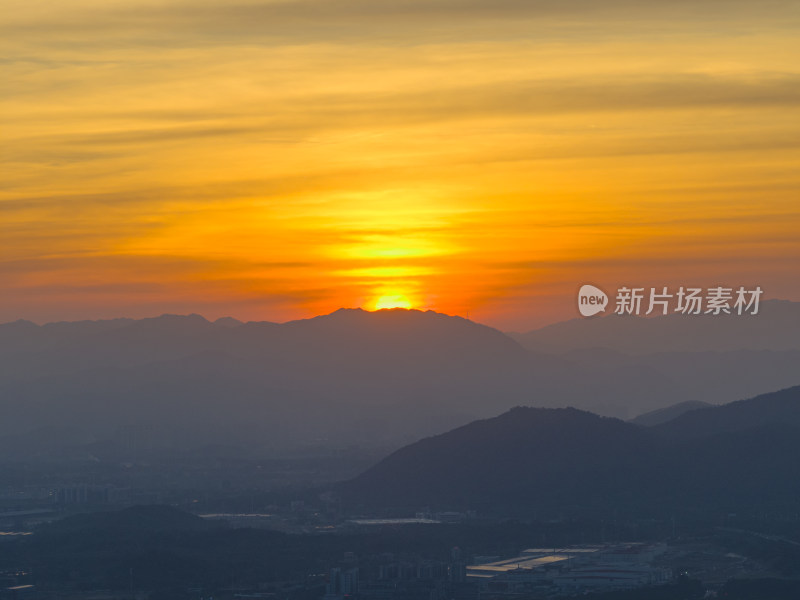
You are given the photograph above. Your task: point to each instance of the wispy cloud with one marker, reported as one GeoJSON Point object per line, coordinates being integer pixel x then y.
{"type": "Point", "coordinates": [294, 156]}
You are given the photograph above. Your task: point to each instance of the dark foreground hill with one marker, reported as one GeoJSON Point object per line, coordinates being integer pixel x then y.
{"type": "Point", "coordinates": [741, 457]}
{"type": "Point", "coordinates": [781, 408]}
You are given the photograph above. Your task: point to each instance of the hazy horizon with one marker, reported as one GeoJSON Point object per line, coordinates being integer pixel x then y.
{"type": "Point", "coordinates": [574, 317]}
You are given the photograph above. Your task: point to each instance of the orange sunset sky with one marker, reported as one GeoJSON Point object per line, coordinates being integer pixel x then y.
{"type": "Point", "coordinates": [272, 160]}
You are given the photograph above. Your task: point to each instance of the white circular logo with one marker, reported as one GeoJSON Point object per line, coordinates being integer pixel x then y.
{"type": "Point", "coordinates": [591, 300]}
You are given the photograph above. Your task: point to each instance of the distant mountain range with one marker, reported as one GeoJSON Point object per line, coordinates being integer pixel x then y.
{"type": "Point", "coordinates": [774, 328]}
{"type": "Point", "coordinates": [132, 388]}
{"type": "Point", "coordinates": [173, 382]}
{"type": "Point", "coordinates": [739, 457]}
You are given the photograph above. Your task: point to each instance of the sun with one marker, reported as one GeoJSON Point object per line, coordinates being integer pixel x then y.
{"type": "Point", "coordinates": [392, 301]}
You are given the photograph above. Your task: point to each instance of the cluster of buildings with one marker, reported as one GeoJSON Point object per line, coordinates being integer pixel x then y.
{"type": "Point", "coordinates": [425, 517]}
{"type": "Point", "coordinates": [395, 578]}
{"type": "Point", "coordinates": [82, 493]}
{"type": "Point", "coordinates": [342, 583]}
{"type": "Point", "coordinates": [573, 570]}
{"type": "Point", "coordinates": [535, 573]}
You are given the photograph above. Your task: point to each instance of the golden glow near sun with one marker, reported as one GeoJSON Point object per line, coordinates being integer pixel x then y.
{"type": "Point", "coordinates": [395, 301]}
{"type": "Point", "coordinates": [462, 156]}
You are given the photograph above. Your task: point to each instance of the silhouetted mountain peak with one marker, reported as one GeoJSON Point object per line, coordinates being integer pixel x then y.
{"type": "Point", "coordinates": [169, 324]}
{"type": "Point", "coordinates": [519, 450]}
{"type": "Point", "coordinates": [558, 460]}
{"type": "Point", "coordinates": [174, 318]}
{"type": "Point", "coordinates": [20, 324]}
{"type": "Point", "coordinates": [228, 322]}
{"type": "Point", "coordinates": [404, 332]}
{"type": "Point", "coordinates": [384, 314]}
{"type": "Point", "coordinates": [776, 408]}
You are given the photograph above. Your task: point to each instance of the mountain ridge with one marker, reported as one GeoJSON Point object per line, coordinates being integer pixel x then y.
{"type": "Point", "coordinates": [385, 378]}
{"type": "Point", "coordinates": [515, 463]}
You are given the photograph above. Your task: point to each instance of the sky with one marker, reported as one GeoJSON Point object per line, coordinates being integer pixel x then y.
{"type": "Point", "coordinates": [273, 160]}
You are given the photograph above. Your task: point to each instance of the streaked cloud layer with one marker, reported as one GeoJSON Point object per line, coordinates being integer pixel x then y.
{"type": "Point", "coordinates": [273, 160]}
